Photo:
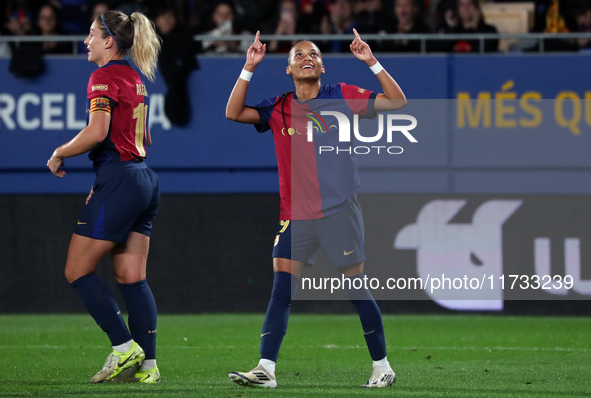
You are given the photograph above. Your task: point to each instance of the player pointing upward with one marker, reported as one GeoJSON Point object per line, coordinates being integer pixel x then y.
{"type": "Point", "coordinates": [319, 207]}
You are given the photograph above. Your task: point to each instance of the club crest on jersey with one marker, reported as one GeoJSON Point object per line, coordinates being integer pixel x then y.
{"type": "Point", "coordinates": [100, 87]}
{"type": "Point", "coordinates": [101, 103]}
{"type": "Point", "coordinates": [361, 90]}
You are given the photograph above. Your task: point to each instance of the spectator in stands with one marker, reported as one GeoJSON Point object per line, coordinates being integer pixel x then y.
{"type": "Point", "coordinates": [98, 9]}
{"type": "Point", "coordinates": [584, 25]}
{"type": "Point", "coordinates": [256, 15]}
{"type": "Point", "coordinates": [189, 13]}
{"type": "Point", "coordinates": [130, 6]}
{"type": "Point", "coordinates": [311, 14]}
{"type": "Point", "coordinates": [567, 16]}
{"type": "Point", "coordinates": [72, 15]}
{"type": "Point", "coordinates": [339, 20]}
{"type": "Point", "coordinates": [368, 15]}
{"type": "Point", "coordinates": [223, 17]}
{"type": "Point", "coordinates": [408, 19]}
{"type": "Point", "coordinates": [20, 16]}
{"type": "Point", "coordinates": [468, 19]}
{"type": "Point", "coordinates": [445, 11]}
{"type": "Point", "coordinates": [48, 24]}
{"type": "Point", "coordinates": [560, 16]}
{"type": "Point", "coordinates": [27, 57]}
{"type": "Point", "coordinates": [288, 17]}
{"type": "Point", "coordinates": [369, 18]}
{"type": "Point", "coordinates": [177, 61]}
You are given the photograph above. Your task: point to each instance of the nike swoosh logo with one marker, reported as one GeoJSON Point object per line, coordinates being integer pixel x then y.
{"type": "Point", "coordinates": [127, 360]}
{"type": "Point", "coordinates": [264, 334]}
{"type": "Point", "coordinates": [365, 334]}
{"type": "Point", "coordinates": [81, 223]}
{"type": "Point", "coordinates": [346, 253]}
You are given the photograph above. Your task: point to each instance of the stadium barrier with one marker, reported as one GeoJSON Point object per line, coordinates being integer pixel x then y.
{"type": "Point", "coordinates": [535, 41]}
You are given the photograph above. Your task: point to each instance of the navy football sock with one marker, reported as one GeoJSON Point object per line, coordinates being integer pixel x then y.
{"type": "Point", "coordinates": [370, 316]}
{"type": "Point", "coordinates": [275, 326]}
{"type": "Point", "coordinates": [101, 304]}
{"type": "Point", "coordinates": [142, 316]}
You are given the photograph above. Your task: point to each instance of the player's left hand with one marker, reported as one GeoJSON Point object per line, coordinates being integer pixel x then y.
{"type": "Point", "coordinates": [255, 54]}
{"type": "Point", "coordinates": [361, 49]}
{"type": "Point", "coordinates": [54, 163]}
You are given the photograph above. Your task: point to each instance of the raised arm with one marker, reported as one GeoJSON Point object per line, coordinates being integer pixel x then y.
{"type": "Point", "coordinates": [392, 97]}
{"type": "Point", "coordinates": [235, 109]}
{"type": "Point", "coordinates": [85, 140]}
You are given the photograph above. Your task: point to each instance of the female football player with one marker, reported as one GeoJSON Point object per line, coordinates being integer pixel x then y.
{"type": "Point", "coordinates": [125, 197]}
{"type": "Point", "coordinates": [319, 207]}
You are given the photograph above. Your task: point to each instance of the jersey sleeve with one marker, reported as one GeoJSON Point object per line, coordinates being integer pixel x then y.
{"type": "Point", "coordinates": [360, 100]}
{"type": "Point", "coordinates": [100, 85]}
{"type": "Point", "coordinates": [265, 110]}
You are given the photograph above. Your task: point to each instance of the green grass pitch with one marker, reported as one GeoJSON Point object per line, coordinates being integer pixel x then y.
{"type": "Point", "coordinates": [322, 356]}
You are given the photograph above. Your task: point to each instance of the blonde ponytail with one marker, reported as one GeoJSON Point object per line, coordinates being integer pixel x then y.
{"type": "Point", "coordinates": [146, 45]}
{"type": "Point", "coordinates": [134, 34]}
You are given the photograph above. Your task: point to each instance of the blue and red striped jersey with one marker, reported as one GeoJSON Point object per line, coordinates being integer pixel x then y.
{"type": "Point", "coordinates": [128, 104]}
{"type": "Point", "coordinates": [313, 184]}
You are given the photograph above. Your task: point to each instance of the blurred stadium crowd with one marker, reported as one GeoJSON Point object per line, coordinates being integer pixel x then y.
{"type": "Point", "coordinates": [179, 19]}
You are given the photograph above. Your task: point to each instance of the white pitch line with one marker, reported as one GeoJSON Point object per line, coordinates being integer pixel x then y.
{"type": "Point", "coordinates": [469, 348]}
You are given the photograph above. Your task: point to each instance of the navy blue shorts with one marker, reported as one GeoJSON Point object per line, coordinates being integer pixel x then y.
{"type": "Point", "coordinates": [340, 235]}
{"type": "Point", "coordinates": [126, 198]}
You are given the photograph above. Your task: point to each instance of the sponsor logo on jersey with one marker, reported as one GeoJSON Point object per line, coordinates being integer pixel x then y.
{"type": "Point", "coordinates": [100, 87]}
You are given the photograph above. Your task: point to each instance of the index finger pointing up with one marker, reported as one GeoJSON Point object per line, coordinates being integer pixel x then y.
{"type": "Point", "coordinates": [256, 38]}
{"type": "Point", "coordinates": [356, 34]}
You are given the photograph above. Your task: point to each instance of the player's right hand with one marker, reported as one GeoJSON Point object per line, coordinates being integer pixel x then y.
{"type": "Point", "coordinates": [255, 54]}
{"type": "Point", "coordinates": [90, 194]}
{"type": "Point", "coordinates": [54, 163]}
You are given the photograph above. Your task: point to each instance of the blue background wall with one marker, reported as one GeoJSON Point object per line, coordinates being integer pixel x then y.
{"type": "Point", "coordinates": [215, 155]}
{"type": "Point", "coordinates": [202, 236]}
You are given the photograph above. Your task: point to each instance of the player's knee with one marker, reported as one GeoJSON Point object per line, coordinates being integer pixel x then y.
{"type": "Point", "coordinates": [129, 275]}
{"type": "Point", "coordinates": [284, 287]}
{"type": "Point", "coordinates": [355, 289]}
{"type": "Point", "coordinates": [129, 278]}
{"type": "Point", "coordinates": [72, 274]}
{"type": "Point", "coordinates": [69, 275]}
